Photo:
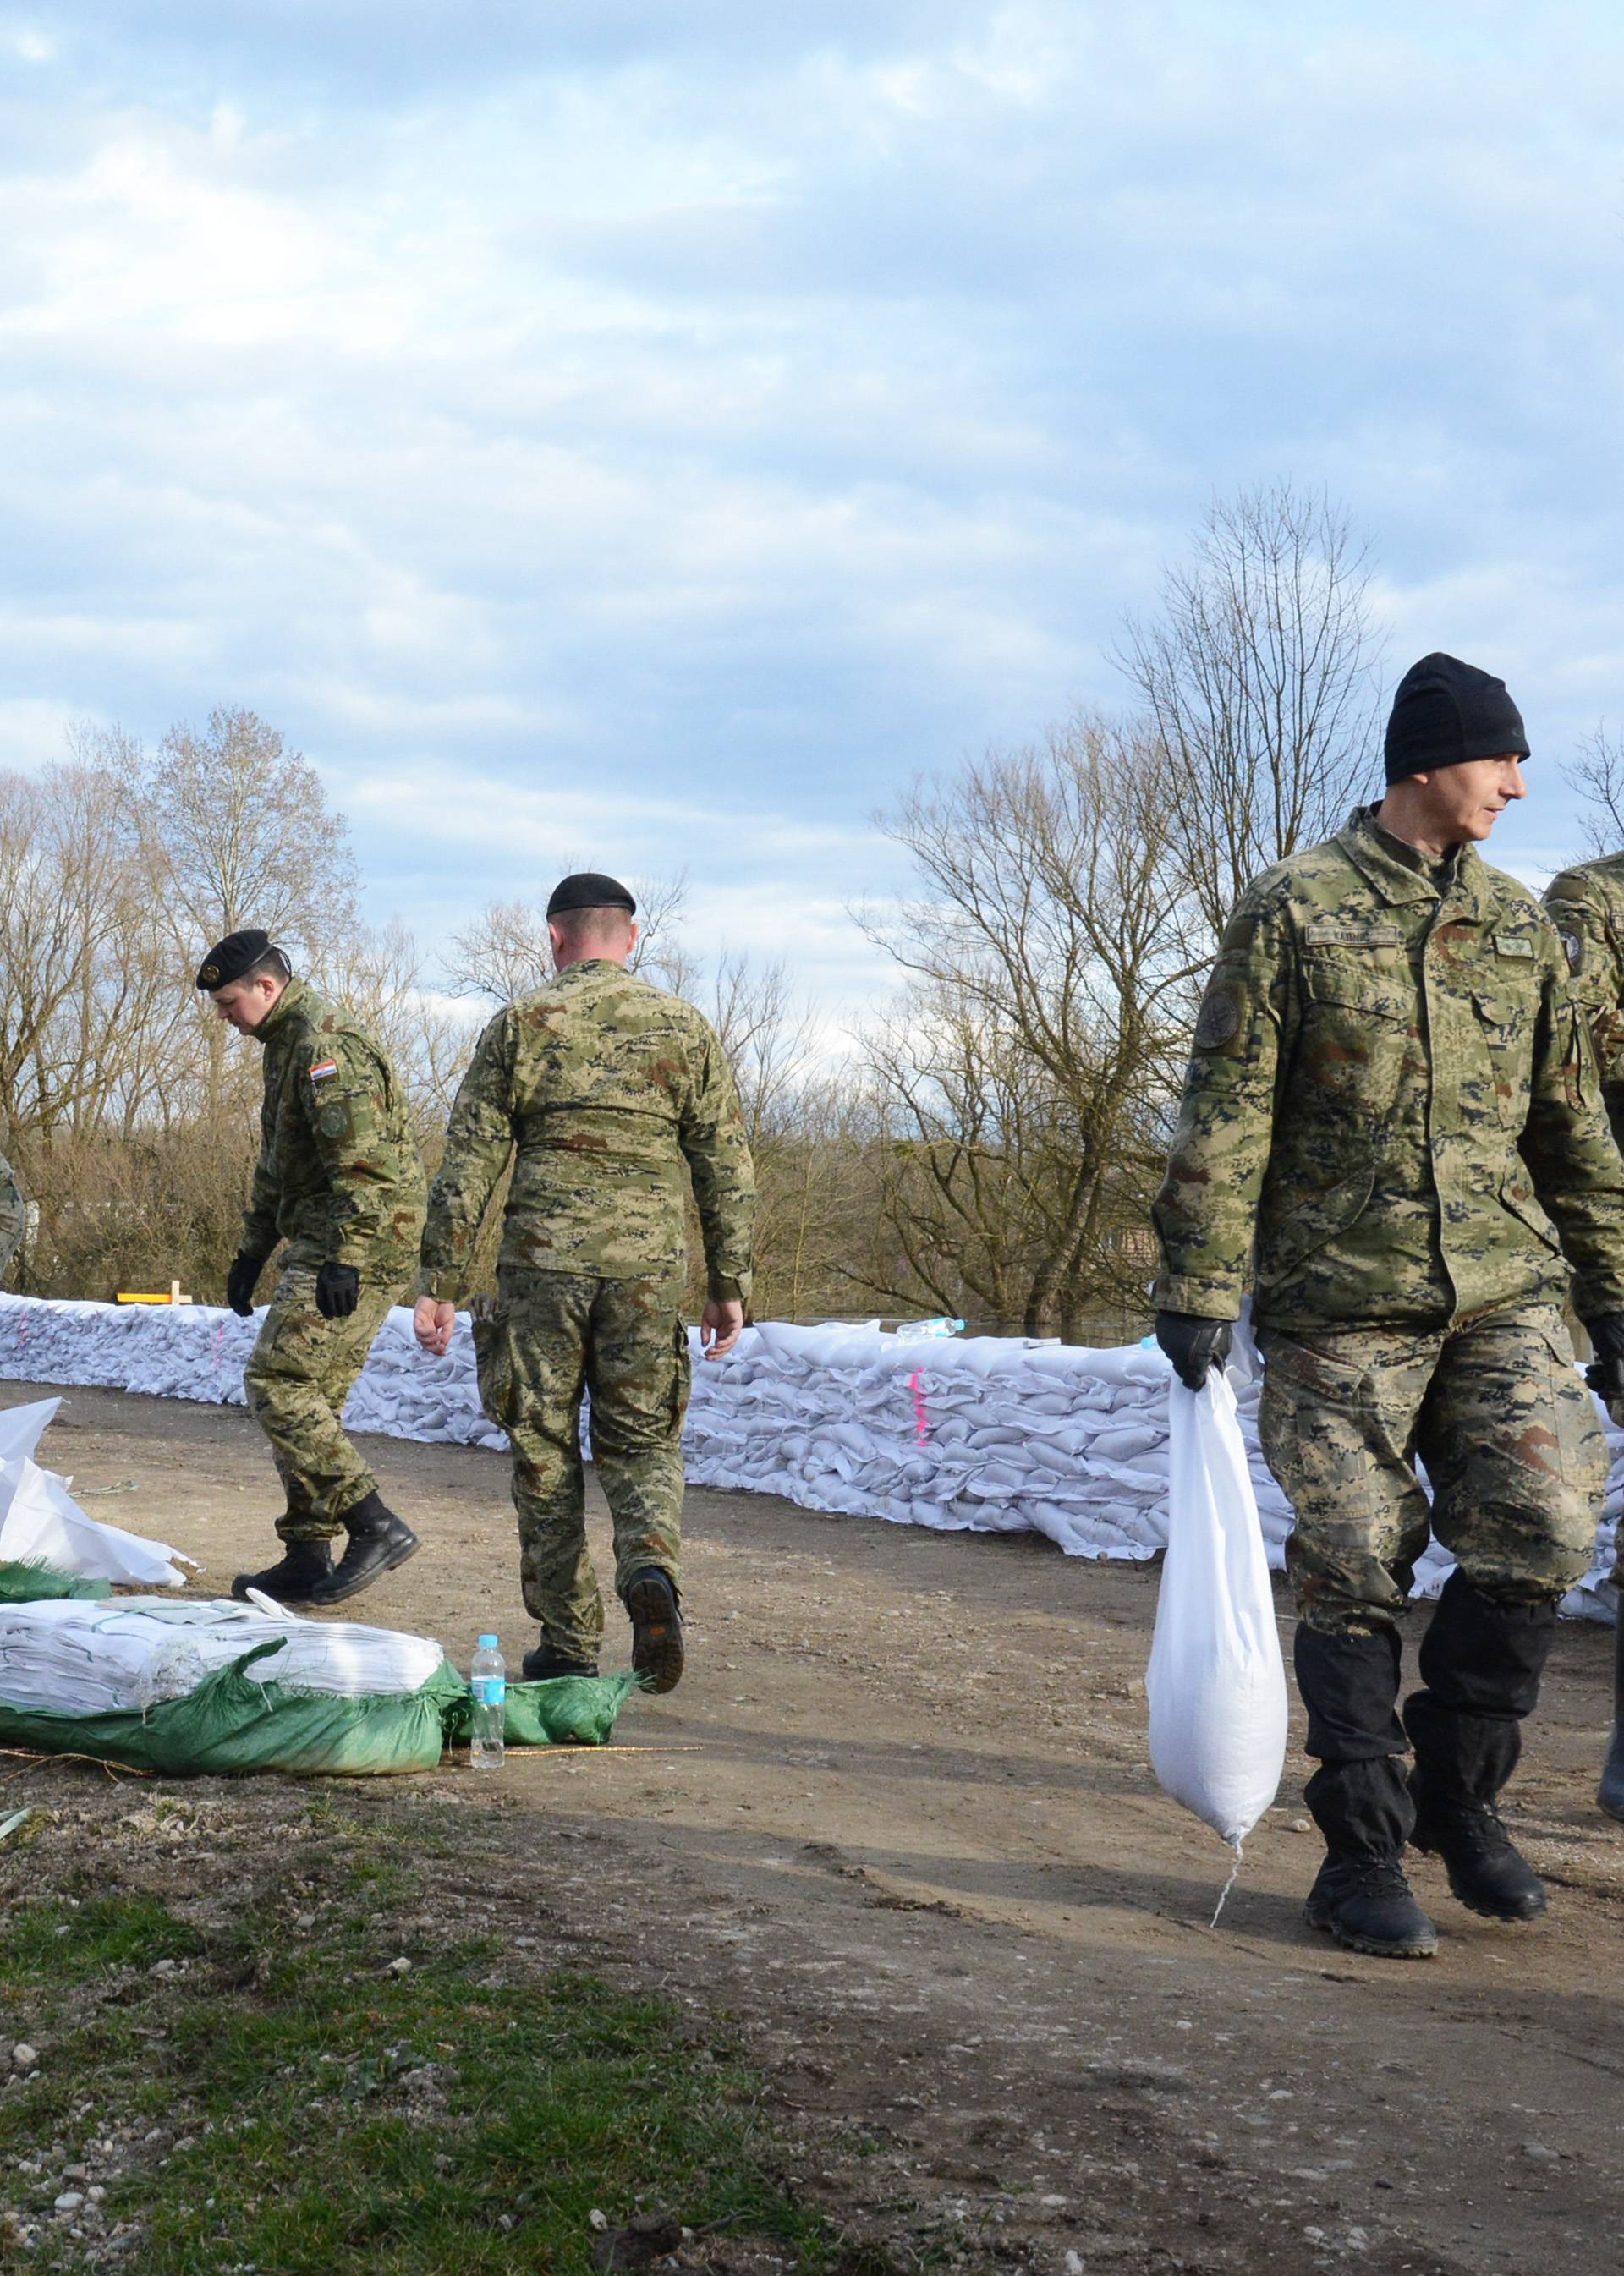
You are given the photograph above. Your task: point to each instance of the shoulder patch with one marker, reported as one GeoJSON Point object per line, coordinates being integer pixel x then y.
{"type": "Point", "coordinates": [1220, 1017]}
{"type": "Point", "coordinates": [1573, 949]}
{"type": "Point", "coordinates": [323, 1068]}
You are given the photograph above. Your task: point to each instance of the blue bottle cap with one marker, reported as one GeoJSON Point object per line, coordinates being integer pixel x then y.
{"type": "Point", "coordinates": [487, 1644]}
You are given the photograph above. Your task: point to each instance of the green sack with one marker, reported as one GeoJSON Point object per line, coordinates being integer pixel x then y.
{"type": "Point", "coordinates": [31, 1584]}
{"type": "Point", "coordinates": [230, 1724]}
{"type": "Point", "coordinates": [565, 1710]}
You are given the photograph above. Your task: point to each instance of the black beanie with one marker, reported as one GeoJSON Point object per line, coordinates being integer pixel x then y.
{"type": "Point", "coordinates": [1446, 712]}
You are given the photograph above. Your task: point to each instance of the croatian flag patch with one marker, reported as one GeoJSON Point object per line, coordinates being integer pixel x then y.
{"type": "Point", "coordinates": [327, 1067]}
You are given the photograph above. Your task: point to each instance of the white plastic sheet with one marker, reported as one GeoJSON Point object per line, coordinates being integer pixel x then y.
{"type": "Point", "coordinates": [42, 1523]}
{"type": "Point", "coordinates": [1215, 1679]}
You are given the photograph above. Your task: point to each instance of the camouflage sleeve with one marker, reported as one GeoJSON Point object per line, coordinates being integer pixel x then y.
{"type": "Point", "coordinates": [1206, 1211]}
{"type": "Point", "coordinates": [1576, 1168]}
{"type": "Point", "coordinates": [348, 1106]}
{"type": "Point", "coordinates": [478, 1145]}
{"type": "Point", "coordinates": [711, 1136]}
{"type": "Point", "coordinates": [14, 1215]}
{"type": "Point", "coordinates": [259, 1219]}
{"type": "Point", "coordinates": [1578, 907]}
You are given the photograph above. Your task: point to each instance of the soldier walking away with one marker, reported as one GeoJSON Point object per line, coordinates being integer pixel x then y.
{"type": "Point", "coordinates": [13, 1216]}
{"type": "Point", "coordinates": [1392, 1109]}
{"type": "Point", "coordinates": [614, 1097]}
{"type": "Point", "coordinates": [338, 1179]}
{"type": "Point", "coordinates": [1587, 907]}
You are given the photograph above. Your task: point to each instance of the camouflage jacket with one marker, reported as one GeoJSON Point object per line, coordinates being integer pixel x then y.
{"type": "Point", "coordinates": [338, 1172]}
{"type": "Point", "coordinates": [614, 1096]}
{"type": "Point", "coordinates": [1392, 1109]}
{"type": "Point", "coordinates": [14, 1215]}
{"type": "Point", "coordinates": [1587, 907]}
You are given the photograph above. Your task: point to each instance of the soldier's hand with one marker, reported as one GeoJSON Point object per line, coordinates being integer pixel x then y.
{"type": "Point", "coordinates": [240, 1282]}
{"type": "Point", "coordinates": [720, 1324]}
{"type": "Point", "coordinates": [338, 1290]}
{"type": "Point", "coordinates": [1193, 1345]}
{"type": "Point", "coordinates": [1605, 1373]}
{"type": "Point", "coordinates": [433, 1320]}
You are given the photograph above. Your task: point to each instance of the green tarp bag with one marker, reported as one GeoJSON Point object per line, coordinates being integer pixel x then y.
{"type": "Point", "coordinates": [231, 1724]}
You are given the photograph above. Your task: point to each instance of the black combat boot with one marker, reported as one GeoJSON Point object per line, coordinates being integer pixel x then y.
{"type": "Point", "coordinates": [1360, 1894]}
{"type": "Point", "coordinates": [1358, 1796]}
{"type": "Point", "coordinates": [1481, 1662]}
{"type": "Point", "coordinates": [378, 1542]}
{"type": "Point", "coordinates": [304, 1566]}
{"type": "Point", "coordinates": [1487, 1872]}
{"type": "Point", "coordinates": [1610, 1794]}
{"type": "Point", "coordinates": [544, 1665]}
{"type": "Point", "coordinates": [656, 1629]}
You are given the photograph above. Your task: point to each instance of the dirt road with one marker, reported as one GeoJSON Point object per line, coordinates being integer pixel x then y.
{"type": "Point", "coordinates": [897, 1821]}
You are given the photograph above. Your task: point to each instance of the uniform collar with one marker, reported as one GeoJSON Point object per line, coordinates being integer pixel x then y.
{"type": "Point", "coordinates": [296, 997]}
{"type": "Point", "coordinates": [1400, 874]}
{"type": "Point", "coordinates": [586, 967]}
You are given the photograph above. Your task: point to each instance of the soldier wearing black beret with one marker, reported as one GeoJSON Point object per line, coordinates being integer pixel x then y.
{"type": "Point", "coordinates": [338, 1179]}
{"type": "Point", "coordinates": [616, 1100]}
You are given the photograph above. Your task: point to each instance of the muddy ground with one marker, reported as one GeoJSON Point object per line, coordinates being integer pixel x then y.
{"type": "Point", "coordinates": [897, 1821]}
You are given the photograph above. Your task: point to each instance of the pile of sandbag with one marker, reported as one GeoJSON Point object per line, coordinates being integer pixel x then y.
{"type": "Point", "coordinates": [66, 1657]}
{"type": "Point", "coordinates": [978, 1433]}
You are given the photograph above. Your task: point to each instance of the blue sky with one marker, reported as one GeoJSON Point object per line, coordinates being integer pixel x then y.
{"type": "Point", "coordinates": [651, 434]}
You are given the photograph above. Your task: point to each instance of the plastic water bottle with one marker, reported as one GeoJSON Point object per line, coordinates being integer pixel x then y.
{"type": "Point", "coordinates": [488, 1682]}
{"type": "Point", "coordinates": [910, 1331]}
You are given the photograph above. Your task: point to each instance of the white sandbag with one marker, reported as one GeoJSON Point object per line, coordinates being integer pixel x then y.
{"type": "Point", "coordinates": [1216, 1681]}
{"type": "Point", "coordinates": [70, 1658]}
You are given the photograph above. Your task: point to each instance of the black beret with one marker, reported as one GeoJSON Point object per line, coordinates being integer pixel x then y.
{"type": "Point", "coordinates": [1445, 712]}
{"type": "Point", "coordinates": [228, 958]}
{"type": "Point", "coordinates": [589, 889]}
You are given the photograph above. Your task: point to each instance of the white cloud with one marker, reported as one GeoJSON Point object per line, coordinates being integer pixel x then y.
{"type": "Point", "coordinates": [674, 438]}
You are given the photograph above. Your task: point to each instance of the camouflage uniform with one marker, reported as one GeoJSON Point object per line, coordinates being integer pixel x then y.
{"type": "Point", "coordinates": [1586, 905]}
{"type": "Point", "coordinates": [13, 1216]}
{"type": "Point", "coordinates": [1392, 1115]}
{"type": "Point", "coordinates": [338, 1179]}
{"type": "Point", "coordinates": [616, 1097]}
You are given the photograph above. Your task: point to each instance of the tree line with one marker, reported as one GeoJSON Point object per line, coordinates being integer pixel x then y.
{"type": "Point", "coordinates": [989, 1145]}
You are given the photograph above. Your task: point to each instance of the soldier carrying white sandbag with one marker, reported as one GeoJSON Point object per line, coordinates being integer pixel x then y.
{"type": "Point", "coordinates": [1392, 1121]}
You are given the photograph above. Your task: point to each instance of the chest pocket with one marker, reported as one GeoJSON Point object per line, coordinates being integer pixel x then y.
{"type": "Point", "coordinates": [1505, 1015]}
{"type": "Point", "coordinates": [1357, 1009]}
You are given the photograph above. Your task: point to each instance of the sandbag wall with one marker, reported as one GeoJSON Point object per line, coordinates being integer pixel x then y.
{"type": "Point", "coordinates": [975, 1433]}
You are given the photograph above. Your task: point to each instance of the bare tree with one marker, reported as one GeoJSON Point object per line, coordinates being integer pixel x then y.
{"type": "Point", "coordinates": [238, 831]}
{"type": "Point", "coordinates": [1258, 676]}
{"type": "Point", "coordinates": [767, 1039]}
{"type": "Point", "coordinates": [1598, 774]}
{"type": "Point", "coordinates": [1055, 931]}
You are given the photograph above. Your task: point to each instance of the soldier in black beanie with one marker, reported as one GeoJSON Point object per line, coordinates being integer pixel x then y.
{"type": "Point", "coordinates": [1391, 1130]}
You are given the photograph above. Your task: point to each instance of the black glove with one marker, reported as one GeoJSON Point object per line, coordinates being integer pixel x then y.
{"type": "Point", "coordinates": [1605, 1373]}
{"type": "Point", "coordinates": [338, 1290]}
{"type": "Point", "coordinates": [1193, 1344]}
{"type": "Point", "coordinates": [245, 1270]}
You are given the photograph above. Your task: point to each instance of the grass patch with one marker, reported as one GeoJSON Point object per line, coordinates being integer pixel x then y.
{"type": "Point", "coordinates": [281, 2104]}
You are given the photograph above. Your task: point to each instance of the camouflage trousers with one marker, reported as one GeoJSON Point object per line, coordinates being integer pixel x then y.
{"type": "Point", "coordinates": [539, 1342]}
{"type": "Point", "coordinates": [1509, 1435]}
{"type": "Point", "coordinates": [299, 1374]}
